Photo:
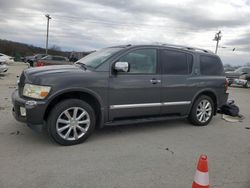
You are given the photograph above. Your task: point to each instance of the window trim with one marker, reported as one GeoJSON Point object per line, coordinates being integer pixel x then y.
{"type": "Point", "coordinates": [173, 50]}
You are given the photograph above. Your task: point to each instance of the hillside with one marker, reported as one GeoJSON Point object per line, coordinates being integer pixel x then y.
{"type": "Point", "coordinates": [17, 50]}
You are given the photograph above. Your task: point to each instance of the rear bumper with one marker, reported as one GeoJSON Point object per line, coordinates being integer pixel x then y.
{"type": "Point", "coordinates": [223, 99]}
{"type": "Point", "coordinates": [34, 111]}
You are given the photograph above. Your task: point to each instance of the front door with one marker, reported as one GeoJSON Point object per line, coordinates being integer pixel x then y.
{"type": "Point", "coordinates": [136, 93]}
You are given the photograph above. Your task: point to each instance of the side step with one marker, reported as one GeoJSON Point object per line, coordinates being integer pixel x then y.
{"type": "Point", "coordinates": [143, 120]}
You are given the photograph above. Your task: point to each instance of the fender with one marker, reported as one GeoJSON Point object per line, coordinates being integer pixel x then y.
{"type": "Point", "coordinates": [198, 93]}
{"type": "Point", "coordinates": [76, 89]}
{"type": "Point", "coordinates": [104, 112]}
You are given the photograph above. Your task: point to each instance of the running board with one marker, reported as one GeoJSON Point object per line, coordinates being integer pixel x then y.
{"type": "Point", "coordinates": [143, 120]}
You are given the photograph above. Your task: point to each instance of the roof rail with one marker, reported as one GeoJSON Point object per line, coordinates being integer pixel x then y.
{"type": "Point", "coordinates": [188, 48]}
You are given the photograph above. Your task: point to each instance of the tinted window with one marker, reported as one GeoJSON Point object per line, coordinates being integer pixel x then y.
{"type": "Point", "coordinates": [47, 57]}
{"type": "Point", "coordinates": [39, 56]}
{"type": "Point", "coordinates": [141, 61]}
{"type": "Point", "coordinates": [57, 58]}
{"type": "Point", "coordinates": [210, 65]}
{"type": "Point", "coordinates": [176, 63]}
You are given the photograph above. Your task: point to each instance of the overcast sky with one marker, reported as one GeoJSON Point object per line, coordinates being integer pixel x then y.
{"type": "Point", "coordinates": [88, 25]}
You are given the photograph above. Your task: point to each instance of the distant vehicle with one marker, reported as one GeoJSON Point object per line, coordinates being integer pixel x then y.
{"type": "Point", "coordinates": [226, 69]}
{"type": "Point", "coordinates": [6, 59]}
{"type": "Point", "coordinates": [240, 76]}
{"type": "Point", "coordinates": [32, 59]}
{"type": "Point", "coordinates": [26, 58]}
{"type": "Point", "coordinates": [3, 67]}
{"type": "Point", "coordinates": [52, 60]}
{"type": "Point", "coordinates": [75, 56]}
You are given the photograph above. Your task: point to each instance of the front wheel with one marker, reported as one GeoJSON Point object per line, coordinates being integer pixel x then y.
{"type": "Point", "coordinates": [202, 111]}
{"type": "Point", "coordinates": [71, 122]}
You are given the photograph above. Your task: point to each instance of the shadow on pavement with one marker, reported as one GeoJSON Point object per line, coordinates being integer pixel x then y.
{"type": "Point", "coordinates": [30, 136]}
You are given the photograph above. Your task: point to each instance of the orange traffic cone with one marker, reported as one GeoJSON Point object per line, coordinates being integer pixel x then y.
{"type": "Point", "coordinates": [201, 178]}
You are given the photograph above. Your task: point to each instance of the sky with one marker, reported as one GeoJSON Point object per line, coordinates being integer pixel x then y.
{"type": "Point", "coordinates": [81, 25]}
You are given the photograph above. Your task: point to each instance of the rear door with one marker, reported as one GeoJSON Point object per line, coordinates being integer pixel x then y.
{"type": "Point", "coordinates": [136, 93]}
{"type": "Point", "coordinates": [177, 83]}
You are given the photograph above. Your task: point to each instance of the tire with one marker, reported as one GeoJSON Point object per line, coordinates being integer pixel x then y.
{"type": "Point", "coordinates": [196, 119]}
{"type": "Point", "coordinates": [71, 122]}
{"type": "Point", "coordinates": [31, 63]}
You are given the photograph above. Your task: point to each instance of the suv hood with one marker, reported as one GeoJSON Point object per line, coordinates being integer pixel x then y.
{"type": "Point", "coordinates": [35, 75]}
{"type": "Point", "coordinates": [51, 69]}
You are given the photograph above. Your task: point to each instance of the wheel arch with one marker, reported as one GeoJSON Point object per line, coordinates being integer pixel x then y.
{"type": "Point", "coordinates": [208, 92]}
{"type": "Point", "coordinates": [88, 96]}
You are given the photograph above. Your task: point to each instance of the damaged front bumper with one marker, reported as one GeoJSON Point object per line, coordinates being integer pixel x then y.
{"type": "Point", "coordinates": [30, 112]}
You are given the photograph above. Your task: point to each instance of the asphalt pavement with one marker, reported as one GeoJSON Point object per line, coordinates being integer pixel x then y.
{"type": "Point", "coordinates": [149, 155]}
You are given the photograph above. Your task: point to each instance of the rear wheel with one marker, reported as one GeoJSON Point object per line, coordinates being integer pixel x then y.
{"type": "Point", "coordinates": [71, 122]}
{"type": "Point", "coordinates": [202, 111]}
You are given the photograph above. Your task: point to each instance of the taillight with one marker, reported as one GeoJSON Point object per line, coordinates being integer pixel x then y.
{"type": "Point", "coordinates": [226, 84]}
{"type": "Point", "coordinates": [39, 64]}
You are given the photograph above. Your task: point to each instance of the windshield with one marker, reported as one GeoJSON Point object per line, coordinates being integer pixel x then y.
{"type": "Point", "coordinates": [239, 70]}
{"type": "Point", "coordinates": [95, 59]}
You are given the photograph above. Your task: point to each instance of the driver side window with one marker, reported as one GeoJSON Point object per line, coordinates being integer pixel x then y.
{"type": "Point", "coordinates": [141, 61]}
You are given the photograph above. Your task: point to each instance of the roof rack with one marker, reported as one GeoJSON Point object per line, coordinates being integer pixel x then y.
{"type": "Point", "coordinates": [120, 46]}
{"type": "Point", "coordinates": [188, 48]}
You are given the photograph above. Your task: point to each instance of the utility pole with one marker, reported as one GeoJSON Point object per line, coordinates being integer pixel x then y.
{"type": "Point", "coordinates": [47, 38]}
{"type": "Point", "coordinates": [217, 38]}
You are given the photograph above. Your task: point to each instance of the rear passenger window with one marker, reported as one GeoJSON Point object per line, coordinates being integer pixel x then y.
{"type": "Point", "coordinates": [210, 65]}
{"type": "Point", "coordinates": [176, 63]}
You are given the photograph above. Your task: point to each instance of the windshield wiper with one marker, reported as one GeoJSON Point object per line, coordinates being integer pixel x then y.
{"type": "Point", "coordinates": [82, 65]}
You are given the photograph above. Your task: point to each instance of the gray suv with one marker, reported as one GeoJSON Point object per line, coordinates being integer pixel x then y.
{"type": "Point", "coordinates": [121, 85]}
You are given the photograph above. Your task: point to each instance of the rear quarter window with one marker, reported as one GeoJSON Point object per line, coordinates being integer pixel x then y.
{"type": "Point", "coordinates": [210, 65]}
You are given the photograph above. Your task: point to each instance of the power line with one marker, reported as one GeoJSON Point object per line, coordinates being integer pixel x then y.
{"type": "Point", "coordinates": [138, 26]}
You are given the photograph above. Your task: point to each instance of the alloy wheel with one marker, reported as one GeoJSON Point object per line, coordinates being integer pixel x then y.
{"type": "Point", "coordinates": [73, 123]}
{"type": "Point", "coordinates": [204, 111]}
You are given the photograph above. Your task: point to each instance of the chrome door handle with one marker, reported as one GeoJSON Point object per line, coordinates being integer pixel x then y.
{"type": "Point", "coordinates": [155, 81]}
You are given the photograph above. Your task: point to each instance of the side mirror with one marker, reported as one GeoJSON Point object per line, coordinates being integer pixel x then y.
{"type": "Point", "coordinates": [121, 67]}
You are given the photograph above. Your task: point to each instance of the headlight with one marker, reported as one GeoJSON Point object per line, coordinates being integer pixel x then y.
{"type": "Point", "coordinates": [35, 91]}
